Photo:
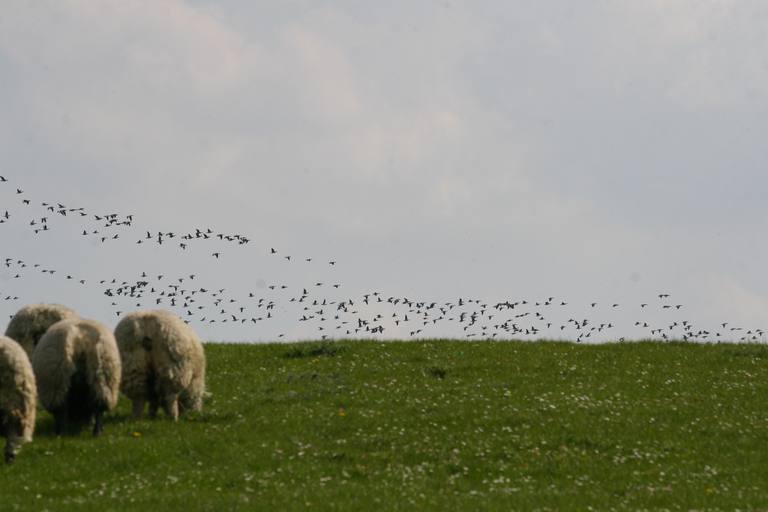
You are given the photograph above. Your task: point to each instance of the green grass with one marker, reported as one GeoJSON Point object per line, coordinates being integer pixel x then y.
{"type": "Point", "coordinates": [437, 425]}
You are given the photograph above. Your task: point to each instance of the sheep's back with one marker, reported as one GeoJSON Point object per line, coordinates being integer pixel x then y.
{"type": "Point", "coordinates": [103, 365]}
{"type": "Point", "coordinates": [175, 349]}
{"type": "Point", "coordinates": [31, 322]}
{"type": "Point", "coordinates": [135, 358]}
{"type": "Point", "coordinates": [18, 390]}
{"type": "Point", "coordinates": [74, 343]}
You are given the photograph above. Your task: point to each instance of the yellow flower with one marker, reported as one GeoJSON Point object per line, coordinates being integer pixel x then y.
{"type": "Point", "coordinates": [135, 434]}
{"type": "Point", "coordinates": [342, 412]}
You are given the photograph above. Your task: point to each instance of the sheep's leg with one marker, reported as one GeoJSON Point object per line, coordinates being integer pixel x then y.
{"type": "Point", "coordinates": [58, 422]}
{"type": "Point", "coordinates": [138, 408]}
{"type": "Point", "coordinates": [153, 407]}
{"type": "Point", "coordinates": [172, 406]}
{"type": "Point", "coordinates": [98, 424]}
{"type": "Point", "coordinates": [11, 446]}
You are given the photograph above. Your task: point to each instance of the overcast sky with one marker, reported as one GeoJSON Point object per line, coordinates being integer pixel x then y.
{"type": "Point", "coordinates": [594, 151]}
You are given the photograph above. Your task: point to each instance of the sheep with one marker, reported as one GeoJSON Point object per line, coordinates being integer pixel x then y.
{"type": "Point", "coordinates": [30, 323]}
{"type": "Point", "coordinates": [163, 363]}
{"type": "Point", "coordinates": [77, 366]}
{"type": "Point", "coordinates": [18, 397]}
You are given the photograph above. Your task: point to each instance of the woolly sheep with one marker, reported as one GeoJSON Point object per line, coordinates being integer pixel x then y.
{"type": "Point", "coordinates": [30, 323]}
{"type": "Point", "coordinates": [77, 366]}
{"type": "Point", "coordinates": [163, 363]}
{"type": "Point", "coordinates": [18, 397]}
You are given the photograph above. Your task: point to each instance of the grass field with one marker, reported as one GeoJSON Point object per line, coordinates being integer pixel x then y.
{"type": "Point", "coordinates": [437, 425]}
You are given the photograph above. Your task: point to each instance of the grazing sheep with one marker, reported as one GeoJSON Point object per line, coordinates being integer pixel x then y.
{"type": "Point", "coordinates": [77, 366]}
{"type": "Point", "coordinates": [163, 363]}
{"type": "Point", "coordinates": [30, 323]}
{"type": "Point", "coordinates": [18, 397]}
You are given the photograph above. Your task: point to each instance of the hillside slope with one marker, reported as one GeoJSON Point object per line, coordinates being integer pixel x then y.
{"type": "Point", "coordinates": [435, 425]}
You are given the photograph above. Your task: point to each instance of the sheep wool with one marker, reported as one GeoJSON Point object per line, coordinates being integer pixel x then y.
{"type": "Point", "coordinates": [163, 363]}
{"type": "Point", "coordinates": [77, 366]}
{"type": "Point", "coordinates": [18, 397]}
{"type": "Point", "coordinates": [30, 323]}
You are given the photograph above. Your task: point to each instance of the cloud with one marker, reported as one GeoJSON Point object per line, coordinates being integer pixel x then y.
{"type": "Point", "coordinates": [325, 68]}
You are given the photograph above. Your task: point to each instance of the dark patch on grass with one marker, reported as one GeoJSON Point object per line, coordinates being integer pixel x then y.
{"type": "Point", "coordinates": [313, 377]}
{"type": "Point", "coordinates": [585, 443]}
{"type": "Point", "coordinates": [314, 350]}
{"type": "Point", "coordinates": [338, 456]}
{"type": "Point", "coordinates": [301, 387]}
{"type": "Point", "coordinates": [437, 372]}
{"type": "Point", "coordinates": [752, 351]}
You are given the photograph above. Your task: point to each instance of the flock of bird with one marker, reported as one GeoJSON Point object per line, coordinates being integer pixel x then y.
{"type": "Point", "coordinates": [320, 304]}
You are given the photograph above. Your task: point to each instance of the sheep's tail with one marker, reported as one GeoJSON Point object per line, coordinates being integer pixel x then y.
{"type": "Point", "coordinates": [103, 370]}
{"type": "Point", "coordinates": [54, 366]}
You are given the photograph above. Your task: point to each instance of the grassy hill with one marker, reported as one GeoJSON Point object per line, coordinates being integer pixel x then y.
{"type": "Point", "coordinates": [437, 425]}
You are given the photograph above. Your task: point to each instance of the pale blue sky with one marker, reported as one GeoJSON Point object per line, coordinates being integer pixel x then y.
{"type": "Point", "coordinates": [599, 151]}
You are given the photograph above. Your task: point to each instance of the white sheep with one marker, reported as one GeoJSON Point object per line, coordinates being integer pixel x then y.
{"type": "Point", "coordinates": [18, 397]}
{"type": "Point", "coordinates": [163, 363]}
{"type": "Point", "coordinates": [30, 323]}
{"type": "Point", "coordinates": [77, 367]}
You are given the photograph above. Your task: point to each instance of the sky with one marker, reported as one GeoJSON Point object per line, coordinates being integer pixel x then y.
{"type": "Point", "coordinates": [438, 151]}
